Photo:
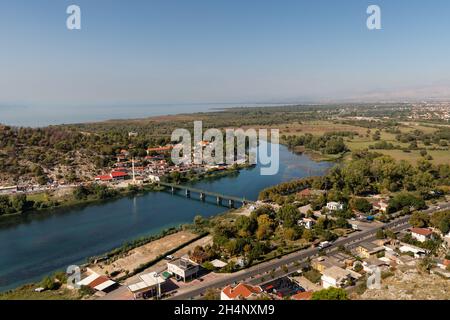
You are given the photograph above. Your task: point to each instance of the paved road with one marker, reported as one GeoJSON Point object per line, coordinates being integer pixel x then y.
{"type": "Point", "coordinates": [250, 273]}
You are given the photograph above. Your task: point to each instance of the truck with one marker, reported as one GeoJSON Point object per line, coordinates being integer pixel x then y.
{"type": "Point", "coordinates": [324, 244]}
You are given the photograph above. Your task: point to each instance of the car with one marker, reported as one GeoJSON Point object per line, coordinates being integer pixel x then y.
{"type": "Point", "coordinates": [169, 257]}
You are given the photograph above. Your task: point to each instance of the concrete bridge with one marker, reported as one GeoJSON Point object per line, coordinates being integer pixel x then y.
{"type": "Point", "coordinates": [203, 194]}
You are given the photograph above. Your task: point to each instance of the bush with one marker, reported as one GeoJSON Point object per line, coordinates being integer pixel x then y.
{"type": "Point", "coordinates": [330, 294]}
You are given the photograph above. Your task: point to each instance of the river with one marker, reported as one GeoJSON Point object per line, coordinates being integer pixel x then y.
{"type": "Point", "coordinates": [50, 242]}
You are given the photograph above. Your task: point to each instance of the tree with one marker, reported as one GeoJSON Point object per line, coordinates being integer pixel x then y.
{"type": "Point", "coordinates": [419, 219]}
{"type": "Point", "coordinates": [380, 234]}
{"type": "Point", "coordinates": [289, 215]}
{"type": "Point", "coordinates": [198, 220]}
{"type": "Point", "coordinates": [330, 294]}
{"type": "Point", "coordinates": [308, 235]}
{"type": "Point", "coordinates": [361, 204]}
{"type": "Point", "coordinates": [342, 222]}
{"type": "Point", "coordinates": [20, 203]}
{"type": "Point", "coordinates": [358, 267]}
{"type": "Point", "coordinates": [441, 220]}
{"type": "Point", "coordinates": [290, 234]}
{"type": "Point", "coordinates": [390, 234]}
{"type": "Point", "coordinates": [265, 227]}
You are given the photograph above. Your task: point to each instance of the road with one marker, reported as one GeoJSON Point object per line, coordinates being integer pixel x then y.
{"type": "Point", "coordinates": [300, 256]}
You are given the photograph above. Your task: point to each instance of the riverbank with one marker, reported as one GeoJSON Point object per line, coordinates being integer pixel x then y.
{"type": "Point", "coordinates": [47, 203]}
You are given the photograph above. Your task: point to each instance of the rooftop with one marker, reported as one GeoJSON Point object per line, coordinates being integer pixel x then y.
{"type": "Point", "coordinates": [422, 231]}
{"type": "Point", "coordinates": [336, 272]}
{"type": "Point", "coordinates": [307, 295]}
{"type": "Point", "coordinates": [183, 263]}
{"type": "Point", "coordinates": [242, 290]}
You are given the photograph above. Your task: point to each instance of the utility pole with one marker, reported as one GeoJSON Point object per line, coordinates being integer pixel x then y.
{"type": "Point", "coordinates": [132, 165]}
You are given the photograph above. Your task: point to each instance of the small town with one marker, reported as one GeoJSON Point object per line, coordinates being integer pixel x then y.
{"type": "Point", "coordinates": [369, 246]}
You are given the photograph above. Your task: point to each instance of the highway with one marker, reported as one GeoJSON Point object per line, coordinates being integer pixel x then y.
{"type": "Point", "coordinates": [251, 274]}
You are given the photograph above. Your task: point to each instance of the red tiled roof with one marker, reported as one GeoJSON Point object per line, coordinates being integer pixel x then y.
{"type": "Point", "coordinates": [304, 193]}
{"type": "Point", "coordinates": [422, 231]}
{"type": "Point", "coordinates": [98, 281]}
{"type": "Point", "coordinates": [307, 295]}
{"type": "Point", "coordinates": [446, 262]}
{"type": "Point", "coordinates": [167, 148]}
{"type": "Point", "coordinates": [118, 174]}
{"type": "Point", "coordinates": [104, 177]}
{"type": "Point", "coordinates": [241, 290]}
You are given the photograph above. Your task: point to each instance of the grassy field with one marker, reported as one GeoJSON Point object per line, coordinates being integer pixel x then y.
{"type": "Point", "coordinates": [38, 197]}
{"type": "Point", "coordinates": [439, 156]}
{"type": "Point", "coordinates": [27, 293]}
{"type": "Point", "coordinates": [363, 140]}
{"type": "Point", "coordinates": [318, 128]}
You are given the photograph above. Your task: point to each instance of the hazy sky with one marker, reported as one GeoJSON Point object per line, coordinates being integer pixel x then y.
{"type": "Point", "coordinates": [169, 51]}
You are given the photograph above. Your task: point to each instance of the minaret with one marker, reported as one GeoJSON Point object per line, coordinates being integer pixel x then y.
{"type": "Point", "coordinates": [132, 165]}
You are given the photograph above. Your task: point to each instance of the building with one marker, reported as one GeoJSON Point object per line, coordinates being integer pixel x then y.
{"type": "Point", "coordinates": [240, 292]}
{"type": "Point", "coordinates": [421, 234]}
{"type": "Point", "coordinates": [306, 295]}
{"type": "Point", "coordinates": [98, 282]}
{"type": "Point", "coordinates": [113, 176]}
{"type": "Point", "coordinates": [308, 223]}
{"type": "Point", "coordinates": [418, 252]}
{"type": "Point", "coordinates": [149, 285]}
{"type": "Point", "coordinates": [368, 249]}
{"type": "Point", "coordinates": [444, 264]}
{"type": "Point", "coordinates": [381, 205]}
{"type": "Point", "coordinates": [335, 206]}
{"type": "Point", "coordinates": [374, 262]}
{"type": "Point", "coordinates": [335, 277]}
{"type": "Point", "coordinates": [159, 150]}
{"type": "Point", "coordinates": [183, 268]}
{"type": "Point", "coordinates": [305, 193]}
{"type": "Point", "coordinates": [325, 262]}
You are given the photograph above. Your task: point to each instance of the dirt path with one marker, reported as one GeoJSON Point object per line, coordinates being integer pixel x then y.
{"type": "Point", "coordinates": [144, 254]}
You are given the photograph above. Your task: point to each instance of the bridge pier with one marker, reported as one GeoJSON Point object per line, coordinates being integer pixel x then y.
{"type": "Point", "coordinates": [231, 203]}
{"type": "Point", "coordinates": [188, 193]}
{"type": "Point", "coordinates": [173, 189]}
{"type": "Point", "coordinates": [219, 200]}
{"type": "Point", "coordinates": [202, 196]}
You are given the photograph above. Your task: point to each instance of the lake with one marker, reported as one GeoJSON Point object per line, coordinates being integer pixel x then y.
{"type": "Point", "coordinates": [50, 242]}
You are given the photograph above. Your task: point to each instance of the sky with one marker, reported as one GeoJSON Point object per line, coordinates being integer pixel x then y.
{"type": "Point", "coordinates": [204, 51]}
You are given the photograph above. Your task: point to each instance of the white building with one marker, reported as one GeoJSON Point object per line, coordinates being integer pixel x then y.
{"type": "Point", "coordinates": [421, 234]}
{"type": "Point", "coordinates": [183, 268]}
{"type": "Point", "coordinates": [334, 206]}
{"type": "Point", "coordinates": [418, 252]}
{"type": "Point", "coordinates": [308, 223]}
{"type": "Point", "coordinates": [335, 277]}
{"type": "Point", "coordinates": [149, 285]}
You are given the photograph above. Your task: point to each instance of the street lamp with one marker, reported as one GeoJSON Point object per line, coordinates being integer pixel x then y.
{"type": "Point", "coordinates": [158, 289]}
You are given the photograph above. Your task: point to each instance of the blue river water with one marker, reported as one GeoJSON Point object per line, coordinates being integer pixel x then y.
{"type": "Point", "coordinates": [48, 242]}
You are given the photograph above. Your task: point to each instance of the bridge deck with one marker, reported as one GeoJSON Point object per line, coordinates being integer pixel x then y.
{"type": "Point", "coordinates": [206, 193]}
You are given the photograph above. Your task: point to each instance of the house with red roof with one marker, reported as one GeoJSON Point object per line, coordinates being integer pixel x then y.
{"type": "Point", "coordinates": [242, 291]}
{"type": "Point", "coordinates": [306, 295]}
{"type": "Point", "coordinates": [421, 234]}
{"type": "Point", "coordinates": [160, 149]}
{"type": "Point", "coordinates": [305, 193]}
{"type": "Point", "coordinates": [113, 176]}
